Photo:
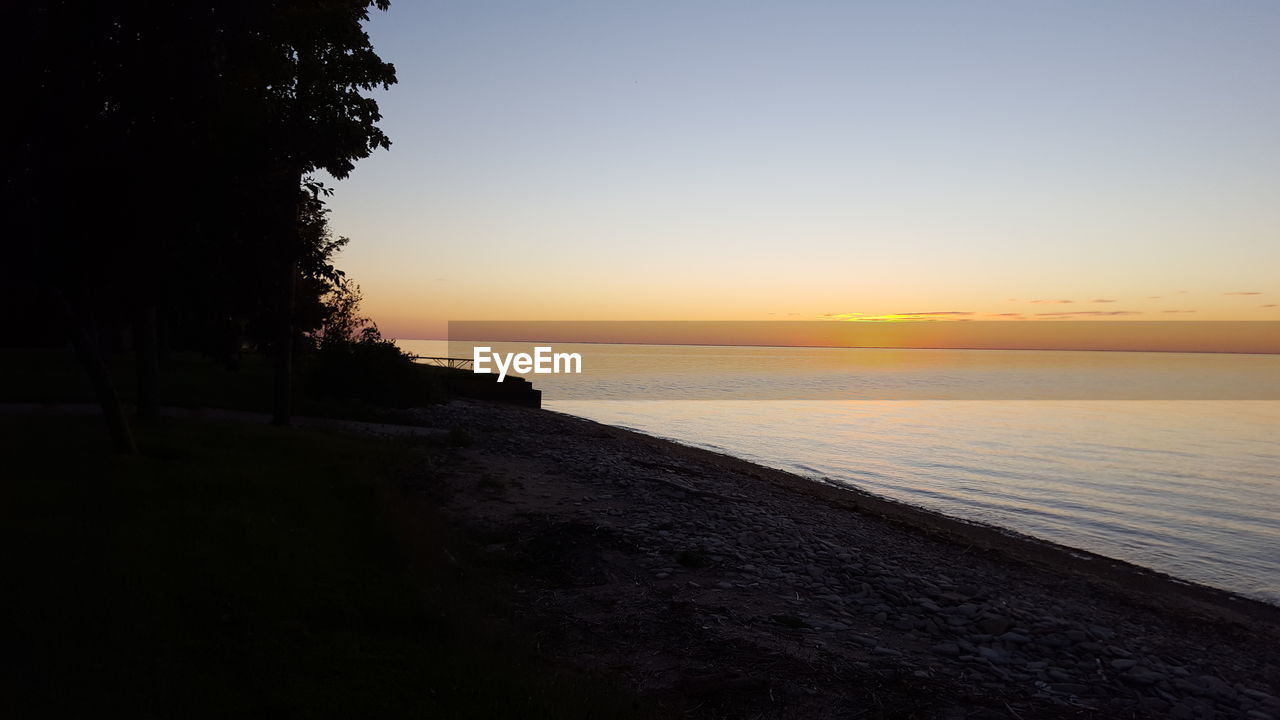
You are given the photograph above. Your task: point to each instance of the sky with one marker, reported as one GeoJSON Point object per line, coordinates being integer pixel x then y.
{"type": "Point", "coordinates": [698, 160]}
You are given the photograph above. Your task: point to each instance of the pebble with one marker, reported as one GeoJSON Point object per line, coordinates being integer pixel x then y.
{"type": "Point", "coordinates": [994, 655]}
{"type": "Point", "coordinates": [1101, 633]}
{"type": "Point", "coordinates": [1215, 686]}
{"type": "Point", "coordinates": [1143, 676]}
{"type": "Point", "coordinates": [1055, 640]}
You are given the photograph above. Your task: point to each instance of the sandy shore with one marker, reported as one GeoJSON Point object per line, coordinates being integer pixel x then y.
{"type": "Point", "coordinates": [724, 589]}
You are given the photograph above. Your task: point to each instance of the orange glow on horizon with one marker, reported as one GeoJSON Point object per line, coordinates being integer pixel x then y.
{"type": "Point", "coordinates": [1139, 336]}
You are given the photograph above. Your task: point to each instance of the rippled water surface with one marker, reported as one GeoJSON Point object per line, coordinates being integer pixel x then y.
{"type": "Point", "coordinates": [1187, 487]}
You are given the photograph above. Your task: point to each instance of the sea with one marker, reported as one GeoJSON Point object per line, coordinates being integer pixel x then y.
{"type": "Point", "coordinates": [1170, 461]}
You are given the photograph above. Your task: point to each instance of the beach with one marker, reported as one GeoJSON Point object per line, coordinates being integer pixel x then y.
{"type": "Point", "coordinates": [642, 361]}
{"type": "Point", "coordinates": [719, 588]}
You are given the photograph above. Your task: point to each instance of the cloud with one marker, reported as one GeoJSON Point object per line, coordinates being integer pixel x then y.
{"type": "Point", "coordinates": [1004, 314]}
{"type": "Point", "coordinates": [1154, 297]}
{"type": "Point", "coordinates": [955, 315]}
{"type": "Point", "coordinates": [1090, 313]}
{"type": "Point", "coordinates": [1178, 312]}
{"type": "Point", "coordinates": [1242, 293]}
{"type": "Point", "coordinates": [1052, 302]}
{"type": "Point", "coordinates": [1100, 300]}
{"type": "Point", "coordinates": [1269, 305]}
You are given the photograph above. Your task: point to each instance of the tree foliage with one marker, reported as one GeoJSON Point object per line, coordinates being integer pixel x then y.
{"type": "Point", "coordinates": [330, 308]}
{"type": "Point", "coordinates": [159, 160]}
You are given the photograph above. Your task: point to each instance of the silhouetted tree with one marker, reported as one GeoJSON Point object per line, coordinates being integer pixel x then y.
{"type": "Point", "coordinates": [156, 169]}
{"type": "Point", "coordinates": [58, 190]}
{"type": "Point", "coordinates": [315, 63]}
{"type": "Point", "coordinates": [327, 307]}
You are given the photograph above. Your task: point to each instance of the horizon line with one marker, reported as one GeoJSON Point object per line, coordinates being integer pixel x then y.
{"type": "Point", "coordinates": [854, 347]}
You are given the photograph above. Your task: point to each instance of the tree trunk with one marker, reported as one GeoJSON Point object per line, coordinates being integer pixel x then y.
{"type": "Point", "coordinates": [147, 360]}
{"type": "Point", "coordinates": [281, 410]}
{"type": "Point", "coordinates": [290, 189]}
{"type": "Point", "coordinates": [91, 359]}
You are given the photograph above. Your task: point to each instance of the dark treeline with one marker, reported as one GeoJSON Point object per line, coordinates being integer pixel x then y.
{"type": "Point", "coordinates": [159, 186]}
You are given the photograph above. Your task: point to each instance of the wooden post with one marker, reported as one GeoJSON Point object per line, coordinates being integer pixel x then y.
{"type": "Point", "coordinates": [91, 359]}
{"type": "Point", "coordinates": [147, 358]}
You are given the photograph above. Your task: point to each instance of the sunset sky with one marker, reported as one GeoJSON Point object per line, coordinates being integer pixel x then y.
{"type": "Point", "coordinates": [804, 160]}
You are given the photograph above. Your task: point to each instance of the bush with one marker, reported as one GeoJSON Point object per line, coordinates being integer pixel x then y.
{"type": "Point", "coordinates": [369, 371]}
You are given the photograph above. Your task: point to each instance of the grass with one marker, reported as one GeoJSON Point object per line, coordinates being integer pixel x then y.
{"type": "Point", "coordinates": [190, 380]}
{"type": "Point", "coordinates": [244, 570]}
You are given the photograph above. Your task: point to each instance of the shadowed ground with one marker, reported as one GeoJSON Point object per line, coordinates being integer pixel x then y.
{"type": "Point", "coordinates": [520, 563]}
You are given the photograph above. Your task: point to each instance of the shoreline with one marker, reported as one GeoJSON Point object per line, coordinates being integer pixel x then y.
{"type": "Point", "coordinates": [1012, 543]}
{"type": "Point", "coordinates": [737, 564]}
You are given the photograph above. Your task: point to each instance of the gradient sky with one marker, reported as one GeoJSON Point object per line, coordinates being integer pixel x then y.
{"type": "Point", "coordinates": [798, 160]}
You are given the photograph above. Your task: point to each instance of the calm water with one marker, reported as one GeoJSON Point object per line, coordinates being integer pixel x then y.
{"type": "Point", "coordinates": [1190, 487]}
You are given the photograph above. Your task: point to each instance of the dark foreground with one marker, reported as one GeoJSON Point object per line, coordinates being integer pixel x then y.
{"type": "Point", "coordinates": [533, 564]}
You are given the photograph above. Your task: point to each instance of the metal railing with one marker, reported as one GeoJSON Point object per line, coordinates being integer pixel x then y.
{"type": "Point", "coordinates": [445, 362]}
